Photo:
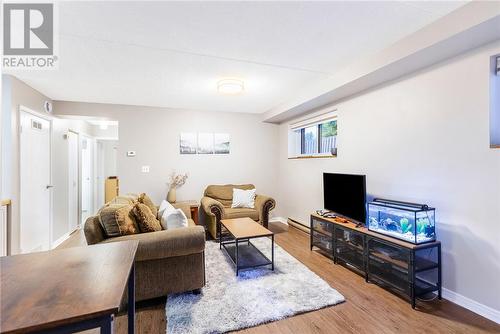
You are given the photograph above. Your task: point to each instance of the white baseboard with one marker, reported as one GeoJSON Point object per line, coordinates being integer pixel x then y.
{"type": "Point", "coordinates": [298, 225]}
{"type": "Point", "coordinates": [60, 240]}
{"type": "Point", "coordinates": [472, 305]}
{"type": "Point", "coordinates": [282, 220]}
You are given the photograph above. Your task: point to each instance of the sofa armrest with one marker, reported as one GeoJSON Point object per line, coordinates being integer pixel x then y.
{"type": "Point", "coordinates": [167, 243]}
{"type": "Point", "coordinates": [212, 207]}
{"type": "Point", "coordinates": [264, 204]}
{"type": "Point", "coordinates": [186, 208]}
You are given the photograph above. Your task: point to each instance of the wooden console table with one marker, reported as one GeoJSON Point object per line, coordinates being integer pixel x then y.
{"type": "Point", "coordinates": [67, 290]}
{"type": "Point", "coordinates": [412, 270]}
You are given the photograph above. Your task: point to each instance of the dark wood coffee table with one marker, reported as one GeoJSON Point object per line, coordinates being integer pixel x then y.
{"type": "Point", "coordinates": [67, 290]}
{"type": "Point", "coordinates": [242, 252]}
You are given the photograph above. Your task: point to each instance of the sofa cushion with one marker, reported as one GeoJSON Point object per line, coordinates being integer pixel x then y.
{"type": "Point", "coordinates": [146, 221]}
{"type": "Point", "coordinates": [243, 198]}
{"type": "Point", "coordinates": [167, 243]}
{"type": "Point", "coordinates": [117, 220]}
{"type": "Point", "coordinates": [174, 218]}
{"type": "Point", "coordinates": [224, 193]}
{"type": "Point", "coordinates": [230, 213]}
{"type": "Point", "coordinates": [123, 199]}
{"type": "Point", "coordinates": [144, 199]}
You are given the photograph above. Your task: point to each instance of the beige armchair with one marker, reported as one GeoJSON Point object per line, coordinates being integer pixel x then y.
{"type": "Point", "coordinates": [216, 205]}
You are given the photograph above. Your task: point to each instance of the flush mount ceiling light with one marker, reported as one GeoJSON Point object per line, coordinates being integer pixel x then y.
{"type": "Point", "coordinates": [230, 86]}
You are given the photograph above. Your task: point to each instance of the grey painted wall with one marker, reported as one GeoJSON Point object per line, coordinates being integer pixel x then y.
{"type": "Point", "coordinates": [154, 134]}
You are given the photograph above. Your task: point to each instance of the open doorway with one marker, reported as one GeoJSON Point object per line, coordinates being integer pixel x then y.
{"type": "Point", "coordinates": [106, 166]}
{"type": "Point", "coordinates": [92, 145]}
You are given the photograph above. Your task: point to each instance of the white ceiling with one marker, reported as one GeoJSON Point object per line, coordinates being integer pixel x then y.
{"type": "Point", "coordinates": [171, 54]}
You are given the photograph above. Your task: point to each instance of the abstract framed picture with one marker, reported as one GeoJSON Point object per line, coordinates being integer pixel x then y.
{"type": "Point", "coordinates": [188, 143]}
{"type": "Point", "coordinates": [221, 143]}
{"type": "Point", "coordinates": [205, 143]}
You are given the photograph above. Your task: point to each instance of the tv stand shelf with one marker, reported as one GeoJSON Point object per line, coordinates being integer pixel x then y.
{"type": "Point", "coordinates": [411, 270]}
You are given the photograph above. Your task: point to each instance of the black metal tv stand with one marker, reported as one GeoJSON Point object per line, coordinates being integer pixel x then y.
{"type": "Point", "coordinates": [411, 270]}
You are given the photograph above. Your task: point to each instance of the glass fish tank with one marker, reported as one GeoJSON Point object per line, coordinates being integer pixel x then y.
{"type": "Point", "coordinates": [409, 222]}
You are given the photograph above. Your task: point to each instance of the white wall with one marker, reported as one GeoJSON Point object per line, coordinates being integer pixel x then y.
{"type": "Point", "coordinates": [154, 134]}
{"type": "Point", "coordinates": [110, 133]}
{"type": "Point", "coordinates": [423, 138]}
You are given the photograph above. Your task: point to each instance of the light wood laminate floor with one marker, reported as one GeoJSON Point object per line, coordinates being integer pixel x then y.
{"type": "Point", "coordinates": [368, 307]}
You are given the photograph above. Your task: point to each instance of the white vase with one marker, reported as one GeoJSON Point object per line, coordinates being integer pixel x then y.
{"type": "Point", "coordinates": [171, 196]}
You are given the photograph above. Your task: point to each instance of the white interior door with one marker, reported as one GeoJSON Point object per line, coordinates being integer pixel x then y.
{"type": "Point", "coordinates": [73, 189]}
{"type": "Point", "coordinates": [36, 188]}
{"type": "Point", "coordinates": [87, 172]}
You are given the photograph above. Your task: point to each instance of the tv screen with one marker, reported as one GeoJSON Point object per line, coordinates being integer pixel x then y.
{"type": "Point", "coordinates": [345, 194]}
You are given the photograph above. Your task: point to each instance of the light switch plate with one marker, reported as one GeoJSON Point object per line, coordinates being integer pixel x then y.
{"type": "Point", "coordinates": [130, 153]}
{"type": "Point", "coordinates": [145, 169]}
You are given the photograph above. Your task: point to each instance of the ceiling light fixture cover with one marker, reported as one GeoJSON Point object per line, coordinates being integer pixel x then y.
{"type": "Point", "coordinates": [230, 86]}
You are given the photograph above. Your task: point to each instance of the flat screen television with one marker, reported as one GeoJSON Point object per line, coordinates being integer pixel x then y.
{"type": "Point", "coordinates": [345, 194]}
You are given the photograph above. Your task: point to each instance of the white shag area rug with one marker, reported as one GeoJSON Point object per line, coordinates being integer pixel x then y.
{"type": "Point", "coordinates": [255, 297]}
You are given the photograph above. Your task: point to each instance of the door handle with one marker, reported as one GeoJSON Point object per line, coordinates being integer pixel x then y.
{"type": "Point", "coordinates": [48, 186]}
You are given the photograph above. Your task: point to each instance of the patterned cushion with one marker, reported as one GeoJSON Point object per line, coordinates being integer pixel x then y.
{"type": "Point", "coordinates": [117, 220]}
{"type": "Point", "coordinates": [145, 219]}
{"type": "Point", "coordinates": [144, 199]}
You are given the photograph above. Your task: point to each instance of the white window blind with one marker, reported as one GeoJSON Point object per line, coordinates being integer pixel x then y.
{"type": "Point", "coordinates": [315, 120]}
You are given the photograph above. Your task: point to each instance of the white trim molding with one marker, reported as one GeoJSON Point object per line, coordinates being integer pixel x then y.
{"type": "Point", "coordinates": [281, 220]}
{"type": "Point", "coordinates": [59, 241]}
{"type": "Point", "coordinates": [472, 305]}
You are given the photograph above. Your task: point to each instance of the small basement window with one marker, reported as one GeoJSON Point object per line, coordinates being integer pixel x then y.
{"type": "Point", "coordinates": [313, 138]}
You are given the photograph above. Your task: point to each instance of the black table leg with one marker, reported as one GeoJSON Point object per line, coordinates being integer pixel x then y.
{"type": "Point", "coordinates": [439, 272]}
{"type": "Point", "coordinates": [236, 250]}
{"type": "Point", "coordinates": [107, 325]}
{"type": "Point", "coordinates": [272, 252]}
{"type": "Point", "coordinates": [131, 301]}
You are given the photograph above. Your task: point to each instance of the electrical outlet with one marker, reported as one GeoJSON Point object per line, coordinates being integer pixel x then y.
{"type": "Point", "coordinates": [130, 153]}
{"type": "Point", "coordinates": [145, 169]}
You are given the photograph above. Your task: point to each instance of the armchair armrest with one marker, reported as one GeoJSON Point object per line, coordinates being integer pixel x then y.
{"type": "Point", "coordinates": [167, 243]}
{"type": "Point", "coordinates": [264, 204]}
{"type": "Point", "coordinates": [212, 207]}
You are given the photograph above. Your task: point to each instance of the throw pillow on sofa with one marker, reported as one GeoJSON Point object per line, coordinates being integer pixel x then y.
{"type": "Point", "coordinates": [164, 205]}
{"type": "Point", "coordinates": [243, 198]}
{"type": "Point", "coordinates": [145, 218]}
{"type": "Point", "coordinates": [117, 220]}
{"type": "Point", "coordinates": [144, 199]}
{"type": "Point", "coordinates": [175, 218]}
